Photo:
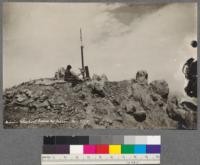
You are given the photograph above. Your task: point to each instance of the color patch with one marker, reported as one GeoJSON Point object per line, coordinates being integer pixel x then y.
{"type": "Point", "coordinates": [153, 149]}
{"type": "Point", "coordinates": [95, 140]}
{"type": "Point", "coordinates": [61, 140]}
{"type": "Point", "coordinates": [107, 140]}
{"type": "Point", "coordinates": [140, 140]}
{"type": "Point", "coordinates": [102, 149]}
{"type": "Point", "coordinates": [127, 149]}
{"type": "Point", "coordinates": [140, 149]}
{"type": "Point", "coordinates": [83, 140]}
{"type": "Point", "coordinates": [62, 149]}
{"type": "Point", "coordinates": [76, 149]}
{"type": "Point", "coordinates": [129, 139]}
{"type": "Point", "coordinates": [117, 139]}
{"type": "Point", "coordinates": [72, 140]}
{"type": "Point", "coordinates": [49, 149]}
{"type": "Point", "coordinates": [153, 140]}
{"type": "Point", "coordinates": [89, 149]}
{"type": "Point", "coordinates": [49, 140]}
{"type": "Point", "coordinates": [114, 149]}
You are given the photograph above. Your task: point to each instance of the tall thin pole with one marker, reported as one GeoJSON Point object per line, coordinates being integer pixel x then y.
{"type": "Point", "coordinates": [82, 57]}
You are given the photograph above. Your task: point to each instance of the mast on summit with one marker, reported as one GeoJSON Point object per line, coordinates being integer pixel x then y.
{"type": "Point", "coordinates": [82, 55]}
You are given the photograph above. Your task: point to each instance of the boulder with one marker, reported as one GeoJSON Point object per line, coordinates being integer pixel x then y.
{"type": "Point", "coordinates": [97, 87]}
{"type": "Point", "coordinates": [142, 77]}
{"type": "Point", "coordinates": [173, 111]}
{"type": "Point", "coordinates": [134, 109]}
{"type": "Point", "coordinates": [140, 116]}
{"type": "Point", "coordinates": [141, 94]}
{"type": "Point", "coordinates": [160, 87]}
{"type": "Point", "coordinates": [185, 113]}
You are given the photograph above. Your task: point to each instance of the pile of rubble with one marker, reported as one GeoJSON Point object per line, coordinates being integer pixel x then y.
{"type": "Point", "coordinates": [97, 103]}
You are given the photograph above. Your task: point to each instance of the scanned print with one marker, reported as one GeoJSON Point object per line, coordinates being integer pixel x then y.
{"type": "Point", "coordinates": [100, 65]}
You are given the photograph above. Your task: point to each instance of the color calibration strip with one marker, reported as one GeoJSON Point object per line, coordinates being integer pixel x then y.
{"type": "Point", "coordinates": [101, 150]}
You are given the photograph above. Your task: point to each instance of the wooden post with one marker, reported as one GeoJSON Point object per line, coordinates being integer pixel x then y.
{"type": "Point", "coordinates": [82, 56]}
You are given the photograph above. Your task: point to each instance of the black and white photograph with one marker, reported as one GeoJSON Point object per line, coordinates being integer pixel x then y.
{"type": "Point", "coordinates": [100, 65]}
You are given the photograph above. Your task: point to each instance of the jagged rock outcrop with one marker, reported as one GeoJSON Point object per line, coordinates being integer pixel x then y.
{"type": "Point", "coordinates": [97, 103]}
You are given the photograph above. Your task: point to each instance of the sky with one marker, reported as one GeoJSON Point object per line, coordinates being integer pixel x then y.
{"type": "Point", "coordinates": [119, 39]}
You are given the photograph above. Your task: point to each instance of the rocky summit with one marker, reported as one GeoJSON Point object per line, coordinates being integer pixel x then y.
{"type": "Point", "coordinates": [96, 103]}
